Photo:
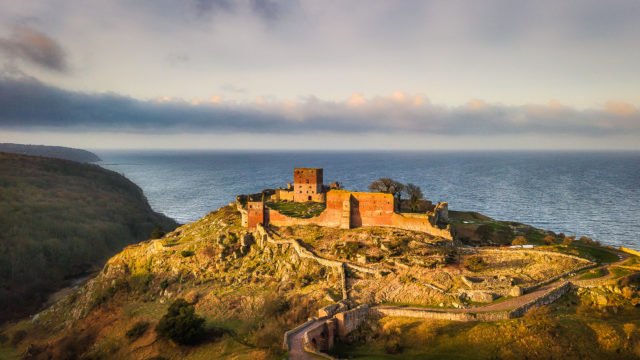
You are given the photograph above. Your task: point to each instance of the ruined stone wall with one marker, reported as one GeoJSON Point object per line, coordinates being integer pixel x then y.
{"type": "Point", "coordinates": [351, 319]}
{"type": "Point", "coordinates": [320, 336]}
{"type": "Point", "coordinates": [420, 222]}
{"type": "Point", "coordinates": [244, 215]}
{"type": "Point", "coordinates": [441, 213]}
{"type": "Point", "coordinates": [457, 315]}
{"type": "Point", "coordinates": [346, 210]}
{"type": "Point", "coordinates": [545, 299]}
{"type": "Point", "coordinates": [371, 209]}
{"type": "Point", "coordinates": [439, 315]}
{"type": "Point", "coordinates": [283, 195]}
{"type": "Point", "coordinates": [255, 214]}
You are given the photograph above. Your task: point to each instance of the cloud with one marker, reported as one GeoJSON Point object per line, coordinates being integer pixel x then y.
{"type": "Point", "coordinates": [233, 89]}
{"type": "Point", "coordinates": [267, 9]}
{"type": "Point", "coordinates": [206, 7]}
{"type": "Point", "coordinates": [26, 103]}
{"type": "Point", "coordinates": [175, 58]}
{"type": "Point", "coordinates": [26, 43]}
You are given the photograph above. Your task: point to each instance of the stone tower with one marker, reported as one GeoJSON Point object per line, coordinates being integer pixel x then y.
{"type": "Point", "coordinates": [308, 185]}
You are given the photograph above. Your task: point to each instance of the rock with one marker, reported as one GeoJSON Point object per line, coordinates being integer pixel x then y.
{"type": "Point", "coordinates": [515, 291]}
{"type": "Point", "coordinates": [481, 296]}
{"type": "Point", "coordinates": [617, 290]}
{"type": "Point", "coordinates": [601, 300]}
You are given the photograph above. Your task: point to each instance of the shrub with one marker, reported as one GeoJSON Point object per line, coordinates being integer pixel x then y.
{"type": "Point", "coordinates": [588, 241]}
{"type": "Point", "coordinates": [474, 263]}
{"type": "Point", "coordinates": [156, 233]}
{"type": "Point", "coordinates": [17, 337]}
{"type": "Point", "coordinates": [519, 240]}
{"type": "Point", "coordinates": [393, 347]}
{"type": "Point", "coordinates": [181, 324]}
{"type": "Point", "coordinates": [187, 253]}
{"type": "Point", "coordinates": [567, 241]}
{"type": "Point", "coordinates": [137, 330]}
{"type": "Point", "coordinates": [164, 284]}
{"type": "Point", "coordinates": [549, 240]}
{"type": "Point", "coordinates": [407, 278]}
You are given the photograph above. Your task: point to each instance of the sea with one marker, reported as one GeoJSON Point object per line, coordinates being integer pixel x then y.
{"type": "Point", "coordinates": [595, 194]}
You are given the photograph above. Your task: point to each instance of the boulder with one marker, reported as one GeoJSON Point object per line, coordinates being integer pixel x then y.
{"type": "Point", "coordinates": [481, 296]}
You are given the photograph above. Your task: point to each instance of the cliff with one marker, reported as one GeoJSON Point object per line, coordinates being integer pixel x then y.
{"type": "Point", "coordinates": [58, 152]}
{"type": "Point", "coordinates": [58, 220]}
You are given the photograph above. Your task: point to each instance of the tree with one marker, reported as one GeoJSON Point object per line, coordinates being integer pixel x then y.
{"type": "Point", "coordinates": [181, 324]}
{"type": "Point", "coordinates": [414, 193]}
{"type": "Point", "coordinates": [519, 240]}
{"type": "Point", "coordinates": [389, 186]}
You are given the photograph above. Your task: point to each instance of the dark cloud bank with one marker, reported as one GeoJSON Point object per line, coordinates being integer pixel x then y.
{"type": "Point", "coordinates": [26, 103]}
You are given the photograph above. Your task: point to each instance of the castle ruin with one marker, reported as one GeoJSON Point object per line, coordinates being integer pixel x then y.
{"type": "Point", "coordinates": [343, 209]}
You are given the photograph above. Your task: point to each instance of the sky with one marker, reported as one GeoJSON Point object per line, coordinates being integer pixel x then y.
{"type": "Point", "coordinates": [302, 74]}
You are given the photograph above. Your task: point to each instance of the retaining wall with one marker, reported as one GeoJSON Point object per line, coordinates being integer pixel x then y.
{"type": "Point", "coordinates": [350, 320]}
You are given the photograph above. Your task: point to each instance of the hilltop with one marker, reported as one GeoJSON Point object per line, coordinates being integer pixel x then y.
{"type": "Point", "coordinates": [254, 289]}
{"type": "Point", "coordinates": [60, 219]}
{"type": "Point", "coordinates": [58, 152]}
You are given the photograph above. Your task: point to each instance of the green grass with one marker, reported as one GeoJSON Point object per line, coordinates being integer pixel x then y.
{"type": "Point", "coordinates": [596, 273]}
{"type": "Point", "coordinates": [597, 254]}
{"type": "Point", "coordinates": [7, 352]}
{"type": "Point", "coordinates": [620, 272]}
{"type": "Point", "coordinates": [594, 253]}
{"type": "Point", "coordinates": [296, 209]}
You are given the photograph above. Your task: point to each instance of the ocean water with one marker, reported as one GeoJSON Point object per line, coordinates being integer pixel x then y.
{"type": "Point", "coordinates": [593, 194]}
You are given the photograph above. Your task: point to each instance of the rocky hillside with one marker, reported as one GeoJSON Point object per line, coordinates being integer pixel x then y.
{"type": "Point", "coordinates": [248, 296]}
{"type": "Point", "coordinates": [58, 152]}
{"type": "Point", "coordinates": [245, 293]}
{"type": "Point", "coordinates": [58, 220]}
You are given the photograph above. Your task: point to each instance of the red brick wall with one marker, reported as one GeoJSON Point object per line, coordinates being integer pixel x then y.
{"type": "Point", "coordinates": [371, 209]}
{"type": "Point", "coordinates": [366, 209]}
{"type": "Point", "coordinates": [255, 213]}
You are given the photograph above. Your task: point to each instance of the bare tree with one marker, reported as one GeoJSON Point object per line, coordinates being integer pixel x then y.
{"type": "Point", "coordinates": [414, 193]}
{"type": "Point", "coordinates": [389, 186]}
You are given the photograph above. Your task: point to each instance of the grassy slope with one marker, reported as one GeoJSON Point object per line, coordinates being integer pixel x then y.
{"type": "Point", "coordinates": [254, 296]}
{"type": "Point", "coordinates": [572, 328]}
{"type": "Point", "coordinates": [58, 218]}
